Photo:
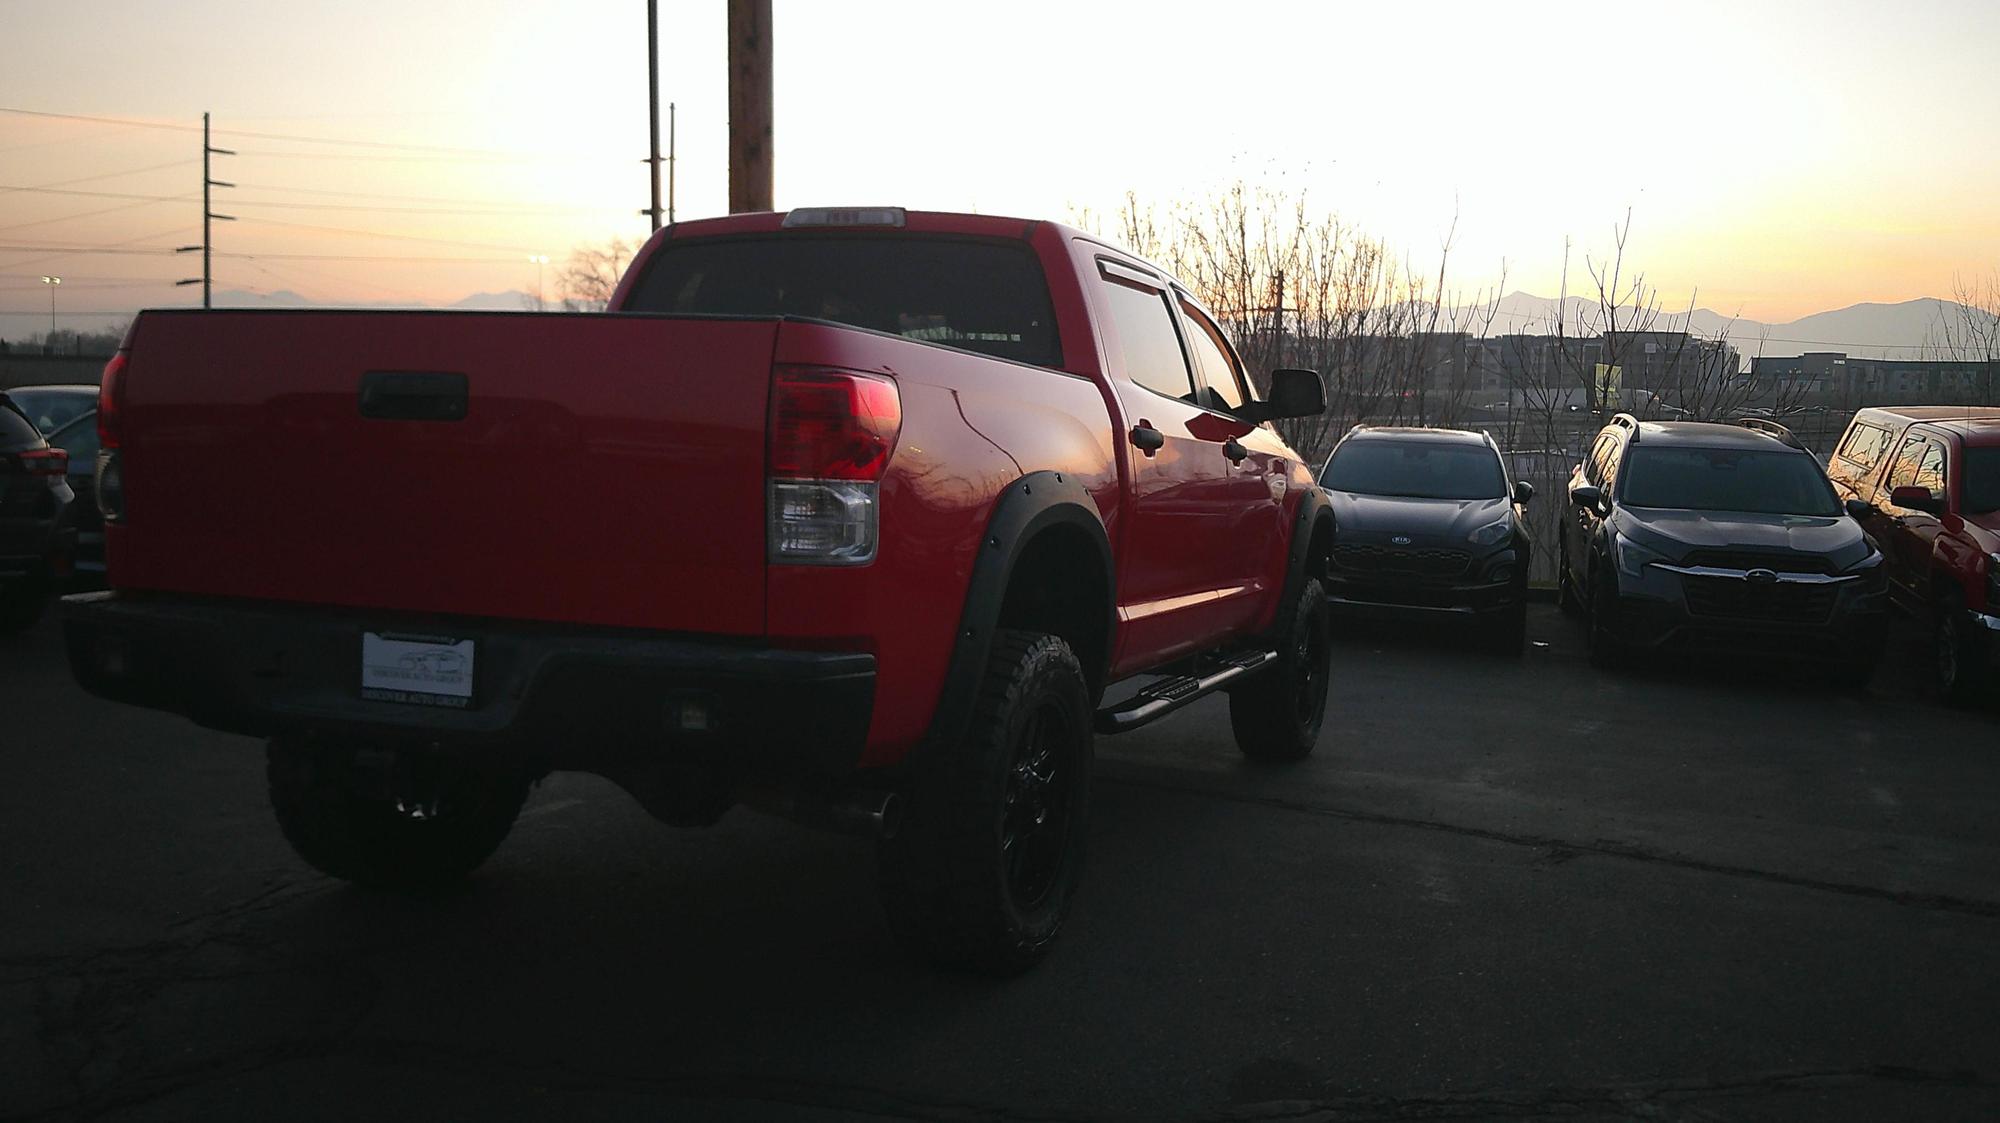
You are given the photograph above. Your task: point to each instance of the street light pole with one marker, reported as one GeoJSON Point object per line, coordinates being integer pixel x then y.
{"type": "Point", "coordinates": [52, 282]}
{"type": "Point", "coordinates": [540, 259]}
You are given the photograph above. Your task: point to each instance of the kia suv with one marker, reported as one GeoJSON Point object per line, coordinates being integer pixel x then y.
{"type": "Point", "coordinates": [1426, 523]}
{"type": "Point", "coordinates": [1725, 540]}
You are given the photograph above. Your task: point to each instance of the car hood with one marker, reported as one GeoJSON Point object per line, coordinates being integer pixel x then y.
{"type": "Point", "coordinates": [1425, 522]}
{"type": "Point", "coordinates": [1676, 534]}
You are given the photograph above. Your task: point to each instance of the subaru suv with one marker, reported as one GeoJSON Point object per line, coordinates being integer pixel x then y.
{"type": "Point", "coordinates": [1426, 523]}
{"type": "Point", "coordinates": [1720, 539]}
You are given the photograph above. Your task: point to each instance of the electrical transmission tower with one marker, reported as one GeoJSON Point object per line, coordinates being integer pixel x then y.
{"type": "Point", "coordinates": [208, 215]}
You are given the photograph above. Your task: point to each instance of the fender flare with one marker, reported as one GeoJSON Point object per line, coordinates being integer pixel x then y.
{"type": "Point", "coordinates": [1314, 509]}
{"type": "Point", "coordinates": [1028, 506]}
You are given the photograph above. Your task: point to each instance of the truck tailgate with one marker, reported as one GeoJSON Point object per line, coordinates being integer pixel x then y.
{"type": "Point", "coordinates": [604, 470]}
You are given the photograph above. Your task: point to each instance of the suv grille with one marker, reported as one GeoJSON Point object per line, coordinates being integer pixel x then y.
{"type": "Point", "coordinates": [1782, 602]}
{"type": "Point", "coordinates": [1401, 559]}
{"type": "Point", "coordinates": [1743, 559]}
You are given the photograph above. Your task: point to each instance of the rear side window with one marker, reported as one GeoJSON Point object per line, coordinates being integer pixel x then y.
{"type": "Point", "coordinates": [982, 296]}
{"type": "Point", "coordinates": [1862, 449]}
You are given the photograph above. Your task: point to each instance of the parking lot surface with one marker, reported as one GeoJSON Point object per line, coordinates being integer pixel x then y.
{"type": "Point", "coordinates": [1515, 889]}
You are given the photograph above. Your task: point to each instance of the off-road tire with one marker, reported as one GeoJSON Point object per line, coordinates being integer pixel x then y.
{"type": "Point", "coordinates": [334, 818]}
{"type": "Point", "coordinates": [20, 608]}
{"type": "Point", "coordinates": [1958, 654]}
{"type": "Point", "coordinates": [980, 873]}
{"type": "Point", "coordinates": [1277, 714]}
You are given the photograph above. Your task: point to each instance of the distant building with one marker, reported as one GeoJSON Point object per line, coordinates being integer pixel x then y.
{"type": "Point", "coordinates": [1834, 378]}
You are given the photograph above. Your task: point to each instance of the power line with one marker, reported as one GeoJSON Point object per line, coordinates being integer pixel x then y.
{"type": "Point", "coordinates": [84, 214]}
{"type": "Point", "coordinates": [482, 153]}
{"type": "Point", "coordinates": [383, 234]}
{"type": "Point", "coordinates": [44, 187]}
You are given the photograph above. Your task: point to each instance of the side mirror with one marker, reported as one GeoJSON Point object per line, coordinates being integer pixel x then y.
{"type": "Point", "coordinates": [1858, 509]}
{"type": "Point", "coordinates": [1523, 491]}
{"type": "Point", "coordinates": [1294, 393]}
{"type": "Point", "coordinates": [1913, 498]}
{"type": "Point", "coordinates": [1588, 495]}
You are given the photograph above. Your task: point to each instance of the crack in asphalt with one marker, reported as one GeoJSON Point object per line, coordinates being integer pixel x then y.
{"type": "Point", "coordinates": [1558, 850]}
{"type": "Point", "coordinates": [1642, 1100]}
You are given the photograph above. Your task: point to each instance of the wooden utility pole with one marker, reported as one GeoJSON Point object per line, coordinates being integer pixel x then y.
{"type": "Point", "coordinates": [653, 99]}
{"type": "Point", "coordinates": [208, 216]}
{"type": "Point", "coordinates": [749, 105]}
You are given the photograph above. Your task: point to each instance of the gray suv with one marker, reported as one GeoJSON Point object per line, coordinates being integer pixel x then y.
{"type": "Point", "coordinates": [1719, 539]}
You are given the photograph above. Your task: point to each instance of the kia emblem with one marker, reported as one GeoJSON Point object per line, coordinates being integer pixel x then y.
{"type": "Point", "coordinates": [1761, 577]}
{"type": "Point", "coordinates": [1400, 540]}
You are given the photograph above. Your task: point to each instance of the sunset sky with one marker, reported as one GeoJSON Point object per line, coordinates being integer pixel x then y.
{"type": "Point", "coordinates": [1780, 158]}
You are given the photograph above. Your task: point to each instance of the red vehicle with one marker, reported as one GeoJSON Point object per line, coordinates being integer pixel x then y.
{"type": "Point", "coordinates": [1931, 476]}
{"type": "Point", "coordinates": [859, 516]}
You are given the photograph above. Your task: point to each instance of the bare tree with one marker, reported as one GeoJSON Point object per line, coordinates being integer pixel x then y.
{"type": "Point", "coordinates": [591, 275]}
{"type": "Point", "coordinates": [1968, 331]}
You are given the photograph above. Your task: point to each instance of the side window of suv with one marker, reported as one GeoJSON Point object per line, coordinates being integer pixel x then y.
{"type": "Point", "coordinates": [1600, 453]}
{"type": "Point", "coordinates": [1150, 344]}
{"type": "Point", "coordinates": [1612, 457]}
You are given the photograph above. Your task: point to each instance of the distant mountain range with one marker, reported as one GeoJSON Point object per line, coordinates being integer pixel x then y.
{"type": "Point", "coordinates": [1908, 330]}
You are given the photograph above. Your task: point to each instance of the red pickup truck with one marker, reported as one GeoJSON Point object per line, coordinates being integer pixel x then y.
{"type": "Point", "coordinates": [1930, 477]}
{"type": "Point", "coordinates": [860, 516]}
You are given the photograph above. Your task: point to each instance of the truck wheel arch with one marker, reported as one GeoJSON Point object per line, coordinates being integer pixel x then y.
{"type": "Point", "coordinates": [1043, 523]}
{"type": "Point", "coordinates": [1307, 551]}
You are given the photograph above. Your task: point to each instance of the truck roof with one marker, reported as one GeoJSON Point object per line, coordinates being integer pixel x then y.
{"type": "Point", "coordinates": [921, 222]}
{"type": "Point", "coordinates": [1909, 414]}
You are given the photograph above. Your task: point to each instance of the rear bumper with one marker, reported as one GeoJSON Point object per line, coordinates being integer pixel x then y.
{"type": "Point", "coordinates": [569, 698]}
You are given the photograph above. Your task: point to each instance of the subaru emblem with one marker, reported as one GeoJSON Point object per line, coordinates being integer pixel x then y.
{"type": "Point", "coordinates": [1400, 540]}
{"type": "Point", "coordinates": [1761, 577]}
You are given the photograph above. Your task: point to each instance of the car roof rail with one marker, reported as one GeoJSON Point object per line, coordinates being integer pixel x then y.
{"type": "Point", "coordinates": [1768, 426]}
{"type": "Point", "coordinates": [1628, 422]}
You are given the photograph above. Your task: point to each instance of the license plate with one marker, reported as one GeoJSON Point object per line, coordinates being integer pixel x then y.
{"type": "Point", "coordinates": [416, 670]}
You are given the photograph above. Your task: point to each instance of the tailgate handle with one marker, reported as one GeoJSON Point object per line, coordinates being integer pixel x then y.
{"type": "Point", "coordinates": [407, 395]}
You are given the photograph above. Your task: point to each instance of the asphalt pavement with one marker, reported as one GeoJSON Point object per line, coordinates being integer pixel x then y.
{"type": "Point", "coordinates": [1518, 889]}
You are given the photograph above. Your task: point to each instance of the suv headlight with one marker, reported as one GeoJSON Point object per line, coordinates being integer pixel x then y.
{"type": "Point", "coordinates": [1492, 534]}
{"type": "Point", "coordinates": [1874, 575]}
{"type": "Point", "coordinates": [1634, 558]}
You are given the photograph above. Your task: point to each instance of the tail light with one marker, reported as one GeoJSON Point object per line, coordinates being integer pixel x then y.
{"type": "Point", "coordinates": [45, 462]}
{"type": "Point", "coordinates": [110, 466]}
{"type": "Point", "coordinates": [109, 398]}
{"type": "Point", "coordinates": [832, 433]}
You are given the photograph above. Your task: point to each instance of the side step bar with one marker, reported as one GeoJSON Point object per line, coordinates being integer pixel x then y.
{"type": "Point", "coordinates": [1161, 698]}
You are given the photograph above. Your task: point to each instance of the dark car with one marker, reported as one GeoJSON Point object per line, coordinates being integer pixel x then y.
{"type": "Point", "coordinates": [37, 535]}
{"type": "Point", "coordinates": [56, 406]}
{"type": "Point", "coordinates": [1721, 539]}
{"type": "Point", "coordinates": [1426, 523]}
{"type": "Point", "coordinates": [67, 417]}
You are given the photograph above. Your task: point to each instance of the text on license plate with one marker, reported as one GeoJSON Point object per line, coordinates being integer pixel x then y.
{"type": "Point", "coordinates": [421, 670]}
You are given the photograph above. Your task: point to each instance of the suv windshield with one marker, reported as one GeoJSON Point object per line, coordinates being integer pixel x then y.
{"type": "Point", "coordinates": [988, 297]}
{"type": "Point", "coordinates": [1416, 469]}
{"type": "Point", "coordinates": [1753, 481]}
{"type": "Point", "coordinates": [1981, 480]}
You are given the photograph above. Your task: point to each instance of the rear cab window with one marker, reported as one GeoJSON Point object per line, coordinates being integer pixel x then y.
{"type": "Point", "coordinates": [974, 294]}
{"type": "Point", "coordinates": [1859, 455]}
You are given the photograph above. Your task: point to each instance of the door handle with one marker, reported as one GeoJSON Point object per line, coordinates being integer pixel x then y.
{"type": "Point", "coordinates": [1234, 450]}
{"type": "Point", "coordinates": [413, 395]}
{"type": "Point", "coordinates": [1148, 439]}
